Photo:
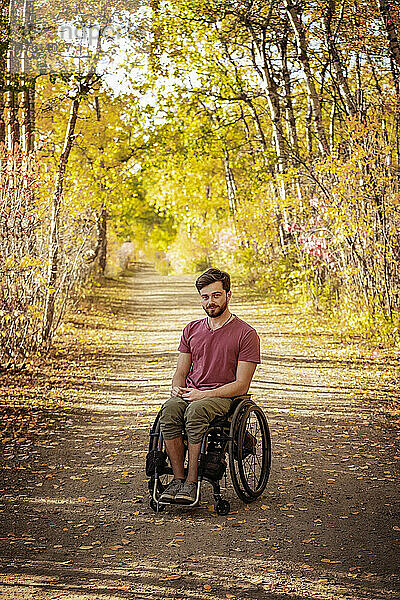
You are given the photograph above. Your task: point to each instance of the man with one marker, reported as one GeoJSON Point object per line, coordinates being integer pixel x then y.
{"type": "Point", "coordinates": [217, 359]}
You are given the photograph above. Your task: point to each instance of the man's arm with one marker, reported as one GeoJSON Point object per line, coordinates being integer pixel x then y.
{"type": "Point", "coordinates": [182, 369]}
{"type": "Point", "coordinates": [244, 375]}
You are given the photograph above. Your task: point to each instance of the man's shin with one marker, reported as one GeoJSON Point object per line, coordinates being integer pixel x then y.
{"type": "Point", "coordinates": [194, 451]}
{"type": "Point", "coordinates": [176, 452]}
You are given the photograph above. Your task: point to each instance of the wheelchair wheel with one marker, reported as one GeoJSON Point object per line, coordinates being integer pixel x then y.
{"type": "Point", "coordinates": [159, 461]}
{"type": "Point", "coordinates": [222, 507]}
{"type": "Point", "coordinates": [249, 452]}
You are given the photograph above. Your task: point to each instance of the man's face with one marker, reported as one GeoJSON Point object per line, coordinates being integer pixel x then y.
{"type": "Point", "coordinates": [214, 299]}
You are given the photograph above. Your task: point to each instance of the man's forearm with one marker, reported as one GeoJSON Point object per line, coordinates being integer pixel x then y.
{"type": "Point", "coordinates": [236, 388]}
{"type": "Point", "coordinates": [178, 380]}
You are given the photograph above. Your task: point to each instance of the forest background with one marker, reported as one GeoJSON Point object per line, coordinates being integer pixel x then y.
{"type": "Point", "coordinates": [262, 137]}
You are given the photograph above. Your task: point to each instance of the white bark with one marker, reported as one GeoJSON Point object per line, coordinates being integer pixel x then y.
{"type": "Point", "coordinates": [312, 91]}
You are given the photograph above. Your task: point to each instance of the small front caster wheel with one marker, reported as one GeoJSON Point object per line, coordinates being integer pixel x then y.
{"type": "Point", "coordinates": [222, 507]}
{"type": "Point", "coordinates": [156, 507]}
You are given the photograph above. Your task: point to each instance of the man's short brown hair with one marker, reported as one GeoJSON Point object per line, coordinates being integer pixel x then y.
{"type": "Point", "coordinates": [212, 275]}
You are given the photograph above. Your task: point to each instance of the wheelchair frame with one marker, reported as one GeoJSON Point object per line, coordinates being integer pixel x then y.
{"type": "Point", "coordinates": [241, 433]}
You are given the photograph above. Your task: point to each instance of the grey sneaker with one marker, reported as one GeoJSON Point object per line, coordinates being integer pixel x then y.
{"type": "Point", "coordinates": [171, 490]}
{"type": "Point", "coordinates": [187, 493]}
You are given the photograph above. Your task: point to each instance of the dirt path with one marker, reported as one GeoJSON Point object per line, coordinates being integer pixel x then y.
{"type": "Point", "coordinates": [75, 520]}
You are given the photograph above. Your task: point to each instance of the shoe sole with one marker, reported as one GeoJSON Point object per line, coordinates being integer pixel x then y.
{"type": "Point", "coordinates": [184, 500]}
{"type": "Point", "coordinates": [169, 499]}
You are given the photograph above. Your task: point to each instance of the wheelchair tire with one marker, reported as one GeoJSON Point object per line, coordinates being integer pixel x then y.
{"type": "Point", "coordinates": [222, 507]}
{"type": "Point", "coordinates": [164, 471]}
{"type": "Point", "coordinates": [154, 433]}
{"type": "Point", "coordinates": [234, 448]}
{"type": "Point", "coordinates": [250, 451]}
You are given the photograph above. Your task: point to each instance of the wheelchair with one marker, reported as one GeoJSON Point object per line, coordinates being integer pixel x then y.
{"type": "Point", "coordinates": [242, 434]}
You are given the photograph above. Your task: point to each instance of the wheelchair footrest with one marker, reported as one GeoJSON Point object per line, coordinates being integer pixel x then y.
{"type": "Point", "coordinates": [156, 462]}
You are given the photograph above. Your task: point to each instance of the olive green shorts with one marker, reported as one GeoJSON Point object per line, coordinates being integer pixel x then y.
{"type": "Point", "coordinates": [178, 414]}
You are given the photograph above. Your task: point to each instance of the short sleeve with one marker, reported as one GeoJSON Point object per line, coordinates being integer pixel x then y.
{"type": "Point", "coordinates": [249, 347]}
{"type": "Point", "coordinates": [184, 344]}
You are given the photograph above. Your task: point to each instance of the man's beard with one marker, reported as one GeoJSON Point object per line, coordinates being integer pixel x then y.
{"type": "Point", "coordinates": [216, 313]}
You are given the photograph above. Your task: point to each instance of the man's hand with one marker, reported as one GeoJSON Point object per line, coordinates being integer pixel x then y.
{"type": "Point", "coordinates": [192, 394]}
{"type": "Point", "coordinates": [178, 390]}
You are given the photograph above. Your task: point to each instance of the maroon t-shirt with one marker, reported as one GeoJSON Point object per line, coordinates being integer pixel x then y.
{"type": "Point", "coordinates": [215, 354]}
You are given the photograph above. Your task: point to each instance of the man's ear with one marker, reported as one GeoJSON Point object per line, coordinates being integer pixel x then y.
{"type": "Point", "coordinates": [229, 294]}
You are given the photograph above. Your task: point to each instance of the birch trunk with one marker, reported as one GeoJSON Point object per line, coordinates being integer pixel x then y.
{"type": "Point", "coordinates": [230, 183]}
{"type": "Point", "coordinates": [28, 87]}
{"type": "Point", "coordinates": [271, 90]}
{"type": "Point", "coordinates": [257, 122]}
{"type": "Point", "coordinates": [2, 121]}
{"type": "Point", "coordinates": [12, 82]}
{"type": "Point", "coordinates": [313, 95]}
{"type": "Point", "coordinates": [3, 68]}
{"type": "Point", "coordinates": [388, 19]}
{"type": "Point", "coordinates": [54, 248]}
{"type": "Point", "coordinates": [341, 80]}
{"type": "Point", "coordinates": [48, 316]}
{"type": "Point", "coordinates": [103, 241]}
{"type": "Point", "coordinates": [290, 118]}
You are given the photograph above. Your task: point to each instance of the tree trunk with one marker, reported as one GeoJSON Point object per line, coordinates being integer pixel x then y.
{"type": "Point", "coordinates": [48, 316]}
{"type": "Point", "coordinates": [3, 68]}
{"type": "Point", "coordinates": [247, 134]}
{"type": "Point", "coordinates": [13, 106]}
{"type": "Point", "coordinates": [230, 183]}
{"type": "Point", "coordinates": [2, 121]}
{"type": "Point", "coordinates": [313, 95]}
{"type": "Point", "coordinates": [103, 241]}
{"type": "Point", "coordinates": [290, 118]}
{"type": "Point", "coordinates": [28, 82]}
{"type": "Point", "coordinates": [54, 249]}
{"type": "Point", "coordinates": [341, 81]}
{"type": "Point", "coordinates": [388, 19]}
{"type": "Point", "coordinates": [257, 123]}
{"type": "Point", "coordinates": [271, 89]}
{"type": "Point", "coordinates": [309, 133]}
{"type": "Point", "coordinates": [98, 257]}
{"type": "Point", "coordinates": [332, 125]}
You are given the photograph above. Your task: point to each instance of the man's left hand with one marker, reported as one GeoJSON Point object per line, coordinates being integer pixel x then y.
{"type": "Point", "coordinates": [193, 394]}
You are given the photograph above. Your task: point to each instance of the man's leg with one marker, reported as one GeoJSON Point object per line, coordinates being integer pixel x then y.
{"type": "Point", "coordinates": [176, 453]}
{"type": "Point", "coordinates": [194, 451]}
{"type": "Point", "coordinates": [198, 416]}
{"type": "Point", "coordinates": [171, 425]}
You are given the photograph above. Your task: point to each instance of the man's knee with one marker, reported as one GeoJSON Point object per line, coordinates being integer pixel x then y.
{"type": "Point", "coordinates": [196, 420]}
{"type": "Point", "coordinates": [171, 417]}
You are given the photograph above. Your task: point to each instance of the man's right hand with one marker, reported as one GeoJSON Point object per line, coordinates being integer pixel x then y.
{"type": "Point", "coordinates": [178, 390]}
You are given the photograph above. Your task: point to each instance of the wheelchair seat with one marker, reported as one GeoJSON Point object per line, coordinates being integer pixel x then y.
{"type": "Point", "coordinates": [242, 433]}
